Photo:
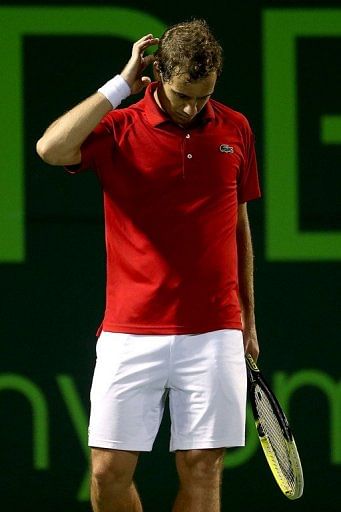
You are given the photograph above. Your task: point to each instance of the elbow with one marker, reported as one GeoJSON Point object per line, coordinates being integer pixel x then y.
{"type": "Point", "coordinates": [46, 152]}
{"type": "Point", "coordinates": [55, 155]}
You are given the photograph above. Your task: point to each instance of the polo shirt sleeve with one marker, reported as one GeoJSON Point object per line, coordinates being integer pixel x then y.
{"type": "Point", "coordinates": [248, 182]}
{"type": "Point", "coordinates": [94, 145]}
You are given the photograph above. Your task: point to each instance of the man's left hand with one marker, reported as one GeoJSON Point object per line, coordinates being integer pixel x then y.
{"type": "Point", "coordinates": [251, 341]}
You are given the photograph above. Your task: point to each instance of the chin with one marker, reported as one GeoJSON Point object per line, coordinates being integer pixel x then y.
{"type": "Point", "coordinates": [185, 120]}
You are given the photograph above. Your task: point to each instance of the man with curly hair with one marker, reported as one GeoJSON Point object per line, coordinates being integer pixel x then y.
{"type": "Point", "coordinates": [177, 169]}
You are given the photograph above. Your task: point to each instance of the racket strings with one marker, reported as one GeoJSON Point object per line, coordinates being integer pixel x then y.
{"type": "Point", "coordinates": [273, 432]}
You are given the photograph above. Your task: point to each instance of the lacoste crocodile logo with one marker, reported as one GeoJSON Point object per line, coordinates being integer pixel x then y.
{"type": "Point", "coordinates": [225, 148]}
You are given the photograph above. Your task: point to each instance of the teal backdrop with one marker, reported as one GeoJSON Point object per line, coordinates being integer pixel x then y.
{"type": "Point", "coordinates": [282, 70]}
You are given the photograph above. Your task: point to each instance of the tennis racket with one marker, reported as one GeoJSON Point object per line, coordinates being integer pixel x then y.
{"type": "Point", "coordinates": [275, 434]}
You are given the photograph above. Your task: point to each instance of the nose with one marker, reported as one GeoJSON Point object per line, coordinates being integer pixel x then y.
{"type": "Point", "coordinates": [190, 109]}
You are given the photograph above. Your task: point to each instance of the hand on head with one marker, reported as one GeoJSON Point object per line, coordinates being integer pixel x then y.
{"type": "Point", "coordinates": [138, 62]}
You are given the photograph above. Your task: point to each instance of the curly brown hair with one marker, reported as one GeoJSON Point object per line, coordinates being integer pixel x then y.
{"type": "Point", "coordinates": [189, 47]}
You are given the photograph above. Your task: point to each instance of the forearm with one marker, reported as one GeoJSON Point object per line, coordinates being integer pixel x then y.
{"type": "Point", "coordinates": [60, 144]}
{"type": "Point", "coordinates": [245, 270]}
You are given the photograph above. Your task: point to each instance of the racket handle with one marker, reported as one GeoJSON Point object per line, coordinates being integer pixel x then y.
{"type": "Point", "coordinates": [251, 363]}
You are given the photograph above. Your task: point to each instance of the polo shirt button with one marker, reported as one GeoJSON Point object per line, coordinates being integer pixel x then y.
{"type": "Point", "coordinates": [188, 136]}
{"type": "Point", "coordinates": [189, 155]}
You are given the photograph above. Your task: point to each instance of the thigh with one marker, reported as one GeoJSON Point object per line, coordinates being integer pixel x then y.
{"type": "Point", "coordinates": [128, 391]}
{"type": "Point", "coordinates": [208, 391]}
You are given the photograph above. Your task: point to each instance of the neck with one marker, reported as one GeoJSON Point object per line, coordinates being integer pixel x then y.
{"type": "Point", "coordinates": [157, 99]}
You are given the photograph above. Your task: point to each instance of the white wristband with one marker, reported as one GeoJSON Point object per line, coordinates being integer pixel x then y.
{"type": "Point", "coordinates": [115, 90]}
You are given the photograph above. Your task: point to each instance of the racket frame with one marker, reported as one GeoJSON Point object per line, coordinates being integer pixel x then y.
{"type": "Point", "coordinates": [256, 377]}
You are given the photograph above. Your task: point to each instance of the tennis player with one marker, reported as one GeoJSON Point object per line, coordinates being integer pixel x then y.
{"type": "Point", "coordinates": [177, 169]}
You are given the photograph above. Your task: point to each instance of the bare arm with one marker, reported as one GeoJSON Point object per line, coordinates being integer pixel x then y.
{"type": "Point", "coordinates": [245, 275]}
{"type": "Point", "coordinates": [61, 142]}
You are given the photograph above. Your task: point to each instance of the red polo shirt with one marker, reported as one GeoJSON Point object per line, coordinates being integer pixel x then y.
{"type": "Point", "coordinates": [171, 198]}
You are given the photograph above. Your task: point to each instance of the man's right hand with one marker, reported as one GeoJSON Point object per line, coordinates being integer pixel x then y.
{"type": "Point", "coordinates": [132, 73]}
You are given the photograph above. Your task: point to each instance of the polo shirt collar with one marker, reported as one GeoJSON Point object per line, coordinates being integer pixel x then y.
{"type": "Point", "coordinates": [156, 116]}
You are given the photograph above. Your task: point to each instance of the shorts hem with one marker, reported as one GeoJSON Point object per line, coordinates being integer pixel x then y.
{"type": "Point", "coordinates": [202, 444]}
{"type": "Point", "coordinates": [114, 445]}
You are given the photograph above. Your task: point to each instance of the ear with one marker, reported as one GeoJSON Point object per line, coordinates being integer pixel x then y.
{"type": "Point", "coordinates": [156, 71]}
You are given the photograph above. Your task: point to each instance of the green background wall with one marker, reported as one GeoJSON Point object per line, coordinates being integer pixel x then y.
{"type": "Point", "coordinates": [282, 69]}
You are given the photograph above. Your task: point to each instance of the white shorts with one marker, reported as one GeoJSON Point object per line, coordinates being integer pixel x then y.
{"type": "Point", "coordinates": [203, 374]}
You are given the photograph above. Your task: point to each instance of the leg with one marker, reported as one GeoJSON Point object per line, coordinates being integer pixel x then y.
{"type": "Point", "coordinates": [200, 474]}
{"type": "Point", "coordinates": [112, 487]}
{"type": "Point", "coordinates": [127, 402]}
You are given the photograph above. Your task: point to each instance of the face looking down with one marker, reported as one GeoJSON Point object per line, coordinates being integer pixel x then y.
{"type": "Point", "coordinates": [181, 99]}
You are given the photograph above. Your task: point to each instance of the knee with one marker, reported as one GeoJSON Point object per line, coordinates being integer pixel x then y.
{"type": "Point", "coordinates": [203, 466]}
{"type": "Point", "coordinates": [104, 476]}
{"type": "Point", "coordinates": [109, 472]}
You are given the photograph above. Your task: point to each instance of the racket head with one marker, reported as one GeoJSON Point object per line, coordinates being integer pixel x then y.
{"type": "Point", "coordinates": [275, 434]}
